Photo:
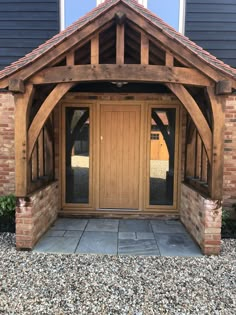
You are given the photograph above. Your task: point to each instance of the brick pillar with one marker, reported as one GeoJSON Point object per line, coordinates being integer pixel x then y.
{"type": "Point", "coordinates": [35, 214]}
{"type": "Point", "coordinates": [202, 218]}
{"type": "Point", "coordinates": [7, 146]}
{"type": "Point", "coordinates": [212, 227]}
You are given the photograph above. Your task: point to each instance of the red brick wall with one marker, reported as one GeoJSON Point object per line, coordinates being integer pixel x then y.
{"type": "Point", "coordinates": [230, 152]}
{"type": "Point", "coordinates": [35, 214]}
{"type": "Point", "coordinates": [7, 148]}
{"type": "Point", "coordinates": [202, 218]}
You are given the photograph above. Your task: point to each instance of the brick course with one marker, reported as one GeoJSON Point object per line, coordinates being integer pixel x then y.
{"type": "Point", "coordinates": [35, 214]}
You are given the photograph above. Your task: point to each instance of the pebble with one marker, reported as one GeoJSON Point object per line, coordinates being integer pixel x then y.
{"type": "Point", "coordinates": [45, 284]}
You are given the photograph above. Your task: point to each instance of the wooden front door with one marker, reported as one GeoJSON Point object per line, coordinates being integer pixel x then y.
{"type": "Point", "coordinates": [119, 156]}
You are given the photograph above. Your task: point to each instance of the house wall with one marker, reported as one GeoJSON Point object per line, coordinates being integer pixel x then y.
{"type": "Point", "coordinates": [211, 24]}
{"type": "Point", "coordinates": [24, 25]}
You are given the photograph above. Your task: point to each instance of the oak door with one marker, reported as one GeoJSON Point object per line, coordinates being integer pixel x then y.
{"type": "Point", "coordinates": [119, 156]}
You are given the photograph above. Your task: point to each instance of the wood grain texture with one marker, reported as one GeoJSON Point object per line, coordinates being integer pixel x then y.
{"type": "Point", "coordinates": [197, 116]}
{"type": "Point", "coordinates": [46, 108]}
{"type": "Point", "coordinates": [22, 109]}
{"type": "Point", "coordinates": [119, 159]}
{"type": "Point", "coordinates": [131, 73]}
{"type": "Point", "coordinates": [217, 165]}
{"type": "Point", "coordinates": [120, 44]}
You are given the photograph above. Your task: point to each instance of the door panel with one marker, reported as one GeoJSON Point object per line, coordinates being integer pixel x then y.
{"type": "Point", "coordinates": [119, 156]}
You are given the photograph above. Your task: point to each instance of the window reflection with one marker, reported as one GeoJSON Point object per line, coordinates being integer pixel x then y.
{"type": "Point", "coordinates": [77, 155]}
{"type": "Point", "coordinates": [162, 139]}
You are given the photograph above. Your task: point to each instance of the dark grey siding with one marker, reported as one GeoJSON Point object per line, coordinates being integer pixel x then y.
{"type": "Point", "coordinates": [24, 25]}
{"type": "Point", "coordinates": [212, 25]}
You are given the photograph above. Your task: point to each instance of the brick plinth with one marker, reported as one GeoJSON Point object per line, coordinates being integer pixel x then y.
{"type": "Point", "coordinates": [7, 145]}
{"type": "Point", "coordinates": [202, 218]}
{"type": "Point", "coordinates": [35, 214]}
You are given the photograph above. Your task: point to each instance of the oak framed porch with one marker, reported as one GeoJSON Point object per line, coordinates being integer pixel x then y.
{"type": "Point", "coordinates": [123, 45]}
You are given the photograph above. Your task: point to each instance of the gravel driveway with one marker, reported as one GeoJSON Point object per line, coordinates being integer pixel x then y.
{"type": "Point", "coordinates": [33, 283]}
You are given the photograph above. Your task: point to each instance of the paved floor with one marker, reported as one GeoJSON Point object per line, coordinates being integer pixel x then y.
{"type": "Point", "coordinates": [122, 237]}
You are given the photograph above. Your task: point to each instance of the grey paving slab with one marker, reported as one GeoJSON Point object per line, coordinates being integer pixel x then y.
{"type": "Point", "coordinates": [53, 233]}
{"type": "Point", "coordinates": [102, 225]}
{"type": "Point", "coordinates": [57, 245]}
{"type": "Point", "coordinates": [73, 234]}
{"type": "Point", "coordinates": [145, 236]}
{"type": "Point", "coordinates": [70, 224]}
{"type": "Point", "coordinates": [127, 235]}
{"type": "Point", "coordinates": [135, 226]}
{"type": "Point", "coordinates": [98, 243]}
{"type": "Point", "coordinates": [177, 245]}
{"type": "Point", "coordinates": [138, 247]}
{"type": "Point", "coordinates": [159, 226]}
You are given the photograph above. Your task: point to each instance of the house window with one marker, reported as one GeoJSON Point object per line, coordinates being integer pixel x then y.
{"type": "Point", "coordinates": [154, 136]}
{"type": "Point", "coordinates": [171, 11]}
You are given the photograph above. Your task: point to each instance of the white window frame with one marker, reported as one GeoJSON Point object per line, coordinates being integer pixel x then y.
{"type": "Point", "coordinates": [182, 12]}
{"type": "Point", "coordinates": [62, 14]}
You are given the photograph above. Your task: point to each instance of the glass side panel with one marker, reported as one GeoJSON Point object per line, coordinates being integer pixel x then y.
{"type": "Point", "coordinates": [77, 155]}
{"type": "Point", "coordinates": [162, 154]}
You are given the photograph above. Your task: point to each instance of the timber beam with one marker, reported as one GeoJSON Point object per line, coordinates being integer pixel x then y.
{"type": "Point", "coordinates": [217, 167]}
{"type": "Point", "coordinates": [121, 72]}
{"type": "Point", "coordinates": [22, 109]}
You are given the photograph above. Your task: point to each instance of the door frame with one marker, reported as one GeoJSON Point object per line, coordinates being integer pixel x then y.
{"type": "Point", "coordinates": [90, 205]}
{"type": "Point", "coordinates": [177, 158]}
{"type": "Point", "coordinates": [95, 133]}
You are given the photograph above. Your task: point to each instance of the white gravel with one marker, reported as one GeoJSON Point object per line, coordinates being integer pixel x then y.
{"type": "Point", "coordinates": [33, 283]}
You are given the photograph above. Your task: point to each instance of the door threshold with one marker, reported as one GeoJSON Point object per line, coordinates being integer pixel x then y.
{"type": "Point", "coordinates": [118, 209]}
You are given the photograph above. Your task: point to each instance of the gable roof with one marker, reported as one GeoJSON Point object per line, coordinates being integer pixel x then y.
{"type": "Point", "coordinates": [102, 8]}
